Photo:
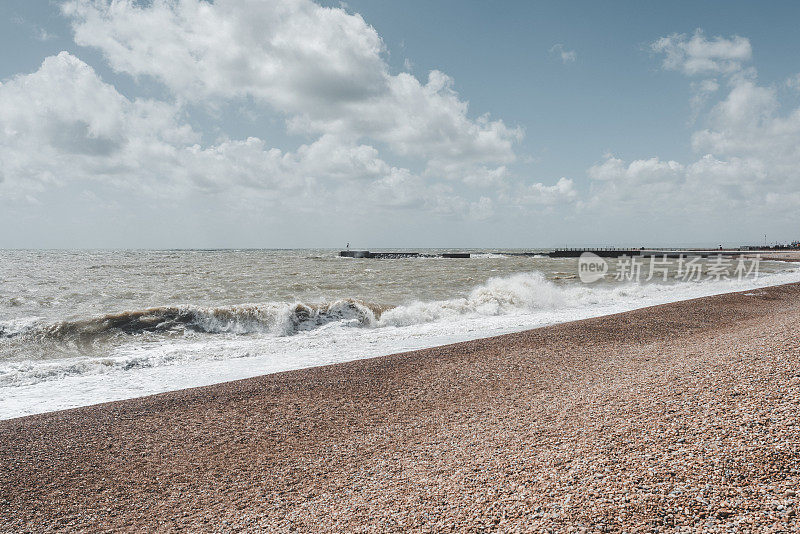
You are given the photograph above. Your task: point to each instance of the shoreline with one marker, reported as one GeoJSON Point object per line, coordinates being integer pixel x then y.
{"type": "Point", "coordinates": [485, 434]}
{"type": "Point", "coordinates": [96, 385]}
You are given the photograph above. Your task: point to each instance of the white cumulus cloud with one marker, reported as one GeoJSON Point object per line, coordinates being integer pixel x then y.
{"type": "Point", "coordinates": [700, 55]}
{"type": "Point", "coordinates": [539, 194]}
{"type": "Point", "coordinates": [321, 67]}
{"type": "Point", "coordinates": [748, 152]}
{"type": "Point", "coordinates": [390, 139]}
{"type": "Point", "coordinates": [64, 124]}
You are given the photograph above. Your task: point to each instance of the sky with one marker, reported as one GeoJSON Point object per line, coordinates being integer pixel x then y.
{"type": "Point", "coordinates": [294, 124]}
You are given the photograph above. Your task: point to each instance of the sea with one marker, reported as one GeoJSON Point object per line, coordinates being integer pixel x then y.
{"type": "Point", "coordinates": [80, 327]}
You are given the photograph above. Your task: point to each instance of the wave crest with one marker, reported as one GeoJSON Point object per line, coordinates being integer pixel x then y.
{"type": "Point", "coordinates": [515, 294]}
{"type": "Point", "coordinates": [498, 296]}
{"type": "Point", "coordinates": [269, 318]}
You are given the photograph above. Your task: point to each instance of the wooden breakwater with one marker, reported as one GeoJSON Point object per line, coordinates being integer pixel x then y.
{"type": "Point", "coordinates": [557, 253]}
{"type": "Point", "coordinates": [398, 255]}
{"type": "Point", "coordinates": [640, 252]}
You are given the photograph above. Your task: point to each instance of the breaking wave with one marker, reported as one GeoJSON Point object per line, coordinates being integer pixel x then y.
{"type": "Point", "coordinates": [99, 345]}
{"type": "Point", "coordinates": [498, 296]}
{"type": "Point", "coordinates": [513, 295]}
{"type": "Point", "coordinates": [270, 318]}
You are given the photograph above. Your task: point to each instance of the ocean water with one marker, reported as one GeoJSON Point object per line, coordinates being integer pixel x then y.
{"type": "Point", "coordinates": [83, 327]}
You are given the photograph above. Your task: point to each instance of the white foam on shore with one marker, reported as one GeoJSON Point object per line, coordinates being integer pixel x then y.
{"type": "Point", "coordinates": [502, 305]}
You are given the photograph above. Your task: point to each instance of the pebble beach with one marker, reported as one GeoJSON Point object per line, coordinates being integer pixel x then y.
{"type": "Point", "coordinates": [680, 417]}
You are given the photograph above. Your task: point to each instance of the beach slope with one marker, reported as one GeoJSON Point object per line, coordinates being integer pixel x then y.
{"type": "Point", "coordinates": [681, 414]}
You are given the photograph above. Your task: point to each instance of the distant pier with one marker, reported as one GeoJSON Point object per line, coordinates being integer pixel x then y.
{"type": "Point", "coordinates": [557, 253]}
{"type": "Point", "coordinates": [398, 255]}
{"type": "Point", "coordinates": [641, 252]}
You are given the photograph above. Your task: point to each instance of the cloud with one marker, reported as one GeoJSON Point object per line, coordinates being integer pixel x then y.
{"type": "Point", "coordinates": [293, 54]}
{"type": "Point", "coordinates": [699, 55]}
{"type": "Point", "coordinates": [642, 185]}
{"type": "Point", "coordinates": [321, 67]}
{"type": "Point", "coordinates": [539, 194]}
{"type": "Point", "coordinates": [63, 124]}
{"type": "Point", "coordinates": [749, 153]}
{"type": "Point", "coordinates": [566, 56]}
{"type": "Point", "coordinates": [701, 92]}
{"type": "Point", "coordinates": [747, 123]}
{"type": "Point", "coordinates": [482, 209]}
{"type": "Point", "coordinates": [390, 140]}
{"type": "Point", "coordinates": [639, 171]}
